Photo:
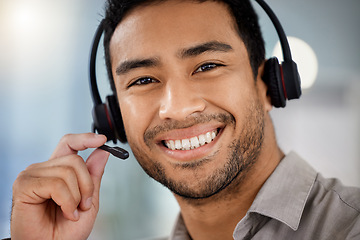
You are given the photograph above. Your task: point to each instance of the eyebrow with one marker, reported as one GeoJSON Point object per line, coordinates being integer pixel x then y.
{"type": "Point", "coordinates": [213, 46]}
{"type": "Point", "coordinates": [126, 66]}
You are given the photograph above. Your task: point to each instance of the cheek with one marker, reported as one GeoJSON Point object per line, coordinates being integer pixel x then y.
{"type": "Point", "coordinates": [233, 93]}
{"type": "Point", "coordinates": [137, 116]}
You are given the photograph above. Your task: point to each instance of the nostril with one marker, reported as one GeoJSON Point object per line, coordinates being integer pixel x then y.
{"type": "Point", "coordinates": [180, 99]}
{"type": "Point", "coordinates": [180, 109]}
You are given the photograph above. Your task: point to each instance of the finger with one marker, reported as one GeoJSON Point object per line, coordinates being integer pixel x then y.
{"type": "Point", "coordinates": [72, 143]}
{"type": "Point", "coordinates": [65, 173]}
{"type": "Point", "coordinates": [62, 196]}
{"type": "Point", "coordinates": [73, 170]}
{"type": "Point", "coordinates": [96, 164]}
{"type": "Point", "coordinates": [34, 190]}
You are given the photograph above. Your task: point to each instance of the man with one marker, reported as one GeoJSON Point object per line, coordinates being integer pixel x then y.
{"type": "Point", "coordinates": [187, 75]}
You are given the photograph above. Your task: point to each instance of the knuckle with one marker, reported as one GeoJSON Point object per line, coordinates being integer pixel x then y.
{"type": "Point", "coordinates": [22, 175]}
{"type": "Point", "coordinates": [74, 161]}
{"type": "Point", "coordinates": [89, 188]}
{"type": "Point", "coordinates": [67, 171]}
{"type": "Point", "coordinates": [57, 183]}
{"type": "Point", "coordinates": [78, 162]}
{"type": "Point", "coordinates": [60, 185]}
{"type": "Point", "coordinates": [70, 178]}
{"type": "Point", "coordinates": [78, 159]}
{"type": "Point", "coordinates": [66, 138]}
{"type": "Point", "coordinates": [32, 166]}
{"type": "Point", "coordinates": [21, 180]}
{"type": "Point", "coordinates": [76, 198]}
{"type": "Point", "coordinates": [18, 182]}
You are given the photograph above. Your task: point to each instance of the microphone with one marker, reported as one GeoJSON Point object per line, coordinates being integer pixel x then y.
{"type": "Point", "coordinates": [116, 151]}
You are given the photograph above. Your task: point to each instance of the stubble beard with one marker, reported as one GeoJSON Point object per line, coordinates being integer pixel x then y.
{"type": "Point", "coordinates": [242, 155]}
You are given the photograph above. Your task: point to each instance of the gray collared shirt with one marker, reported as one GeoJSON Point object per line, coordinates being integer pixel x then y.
{"type": "Point", "coordinates": [296, 202]}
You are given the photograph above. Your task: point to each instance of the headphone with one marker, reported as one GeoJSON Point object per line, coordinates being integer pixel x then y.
{"type": "Point", "coordinates": [283, 83]}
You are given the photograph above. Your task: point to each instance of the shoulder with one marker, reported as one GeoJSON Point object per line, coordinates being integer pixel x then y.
{"type": "Point", "coordinates": [347, 196]}
{"type": "Point", "coordinates": [330, 192]}
{"type": "Point", "coordinates": [334, 208]}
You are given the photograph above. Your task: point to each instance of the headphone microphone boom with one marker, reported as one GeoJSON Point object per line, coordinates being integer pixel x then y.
{"type": "Point", "coordinates": [283, 83]}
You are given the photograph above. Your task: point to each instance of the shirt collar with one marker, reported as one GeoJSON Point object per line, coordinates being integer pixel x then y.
{"type": "Point", "coordinates": [284, 194]}
{"type": "Point", "coordinates": [282, 197]}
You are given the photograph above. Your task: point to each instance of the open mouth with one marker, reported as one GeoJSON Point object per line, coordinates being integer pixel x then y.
{"type": "Point", "coordinates": [191, 143]}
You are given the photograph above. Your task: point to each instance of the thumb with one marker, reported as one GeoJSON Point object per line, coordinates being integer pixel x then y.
{"type": "Point", "coordinates": [96, 165]}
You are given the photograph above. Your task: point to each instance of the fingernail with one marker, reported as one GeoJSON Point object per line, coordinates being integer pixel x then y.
{"type": "Point", "coordinates": [76, 214]}
{"type": "Point", "coordinates": [88, 203]}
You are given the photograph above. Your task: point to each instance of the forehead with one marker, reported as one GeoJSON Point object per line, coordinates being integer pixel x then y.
{"type": "Point", "coordinates": [172, 25]}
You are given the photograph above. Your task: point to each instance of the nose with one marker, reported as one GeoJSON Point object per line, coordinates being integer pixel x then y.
{"type": "Point", "coordinates": [180, 100]}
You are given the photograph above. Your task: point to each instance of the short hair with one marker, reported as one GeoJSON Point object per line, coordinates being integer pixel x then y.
{"type": "Point", "coordinates": [242, 10]}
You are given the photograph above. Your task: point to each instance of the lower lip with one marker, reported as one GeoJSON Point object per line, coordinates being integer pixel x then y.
{"type": "Point", "coordinates": [193, 154]}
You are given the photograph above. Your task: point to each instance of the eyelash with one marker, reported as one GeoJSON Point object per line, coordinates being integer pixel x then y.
{"type": "Point", "coordinates": [203, 68]}
{"type": "Point", "coordinates": [207, 67]}
{"type": "Point", "coordinates": [141, 81]}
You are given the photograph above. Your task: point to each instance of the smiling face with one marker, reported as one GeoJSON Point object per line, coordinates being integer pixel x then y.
{"type": "Point", "coordinates": [192, 111]}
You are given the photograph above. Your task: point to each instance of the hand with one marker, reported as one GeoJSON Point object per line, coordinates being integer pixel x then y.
{"type": "Point", "coordinates": [59, 198]}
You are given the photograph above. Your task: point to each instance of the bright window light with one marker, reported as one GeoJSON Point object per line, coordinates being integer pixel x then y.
{"type": "Point", "coordinates": [305, 58]}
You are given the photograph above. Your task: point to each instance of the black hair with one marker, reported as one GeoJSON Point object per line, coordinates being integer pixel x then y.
{"type": "Point", "coordinates": [243, 12]}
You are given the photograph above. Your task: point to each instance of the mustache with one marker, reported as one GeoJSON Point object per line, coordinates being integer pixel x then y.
{"type": "Point", "coordinates": [169, 125]}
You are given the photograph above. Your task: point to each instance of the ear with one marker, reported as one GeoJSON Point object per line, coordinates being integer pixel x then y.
{"type": "Point", "coordinates": [262, 89]}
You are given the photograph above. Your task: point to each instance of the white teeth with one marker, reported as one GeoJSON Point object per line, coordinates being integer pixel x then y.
{"type": "Point", "coordinates": [202, 140]}
{"type": "Point", "coordinates": [185, 144]}
{"type": "Point", "coordinates": [178, 145]}
{"type": "Point", "coordinates": [208, 138]}
{"type": "Point", "coordinates": [192, 143]}
{"type": "Point", "coordinates": [172, 144]}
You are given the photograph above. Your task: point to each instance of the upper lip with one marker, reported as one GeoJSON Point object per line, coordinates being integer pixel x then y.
{"type": "Point", "coordinates": [186, 133]}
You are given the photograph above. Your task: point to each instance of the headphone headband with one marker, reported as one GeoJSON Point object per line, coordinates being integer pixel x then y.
{"type": "Point", "coordinates": [93, 83]}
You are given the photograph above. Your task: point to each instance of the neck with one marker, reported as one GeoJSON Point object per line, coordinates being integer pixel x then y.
{"type": "Point", "coordinates": [217, 216]}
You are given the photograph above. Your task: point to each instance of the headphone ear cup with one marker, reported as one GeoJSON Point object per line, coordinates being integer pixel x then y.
{"type": "Point", "coordinates": [116, 118]}
{"type": "Point", "coordinates": [273, 78]}
{"type": "Point", "coordinates": [102, 121]}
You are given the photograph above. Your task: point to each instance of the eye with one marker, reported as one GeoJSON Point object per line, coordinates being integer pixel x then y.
{"type": "Point", "coordinates": [207, 67]}
{"type": "Point", "coordinates": [143, 81]}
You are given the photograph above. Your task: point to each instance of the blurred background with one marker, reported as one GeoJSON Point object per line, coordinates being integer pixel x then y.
{"type": "Point", "coordinates": [44, 94]}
